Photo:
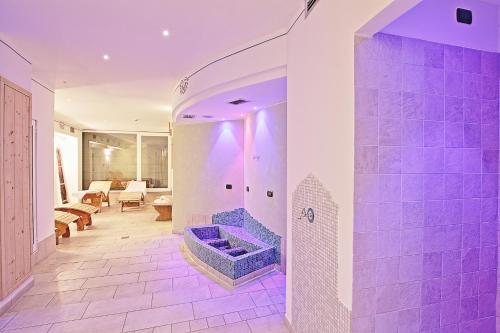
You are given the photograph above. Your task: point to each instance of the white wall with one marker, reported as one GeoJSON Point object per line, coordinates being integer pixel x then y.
{"type": "Point", "coordinates": [320, 117]}
{"type": "Point", "coordinates": [14, 68]}
{"type": "Point", "coordinates": [206, 157]}
{"type": "Point", "coordinates": [43, 113]}
{"type": "Point", "coordinates": [435, 21]}
{"type": "Point", "coordinates": [265, 168]}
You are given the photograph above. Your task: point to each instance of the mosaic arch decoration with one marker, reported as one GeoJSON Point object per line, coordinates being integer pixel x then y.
{"type": "Point", "coordinates": [315, 303]}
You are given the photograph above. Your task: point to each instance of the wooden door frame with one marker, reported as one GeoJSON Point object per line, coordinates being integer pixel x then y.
{"type": "Point", "coordinates": [4, 290]}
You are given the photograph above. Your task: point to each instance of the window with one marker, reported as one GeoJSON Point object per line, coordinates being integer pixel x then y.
{"type": "Point", "coordinates": [109, 156]}
{"type": "Point", "coordinates": [121, 157]}
{"type": "Point", "coordinates": [154, 160]}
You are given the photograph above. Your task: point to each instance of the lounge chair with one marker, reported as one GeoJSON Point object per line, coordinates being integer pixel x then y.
{"type": "Point", "coordinates": [84, 211]}
{"type": "Point", "coordinates": [62, 222]}
{"type": "Point", "coordinates": [103, 186]}
{"type": "Point", "coordinates": [133, 195]}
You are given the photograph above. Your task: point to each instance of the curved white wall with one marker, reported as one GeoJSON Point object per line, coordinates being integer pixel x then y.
{"type": "Point", "coordinates": [206, 157]}
{"type": "Point", "coordinates": [265, 168]}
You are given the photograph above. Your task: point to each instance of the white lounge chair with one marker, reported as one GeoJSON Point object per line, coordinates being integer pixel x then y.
{"type": "Point", "coordinates": [133, 195]}
{"type": "Point", "coordinates": [104, 186]}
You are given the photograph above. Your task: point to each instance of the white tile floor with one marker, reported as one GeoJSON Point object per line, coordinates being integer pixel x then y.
{"type": "Point", "coordinates": [126, 273]}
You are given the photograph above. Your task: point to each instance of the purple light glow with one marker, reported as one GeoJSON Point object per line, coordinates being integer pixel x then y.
{"type": "Point", "coordinates": [426, 186]}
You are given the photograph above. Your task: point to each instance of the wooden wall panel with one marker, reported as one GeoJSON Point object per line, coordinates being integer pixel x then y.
{"type": "Point", "coordinates": [15, 175]}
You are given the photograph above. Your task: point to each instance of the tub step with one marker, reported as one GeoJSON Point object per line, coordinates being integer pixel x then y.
{"type": "Point", "coordinates": [219, 242]}
{"type": "Point", "coordinates": [237, 251]}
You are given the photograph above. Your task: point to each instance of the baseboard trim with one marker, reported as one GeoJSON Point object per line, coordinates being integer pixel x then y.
{"type": "Point", "coordinates": [8, 301]}
{"type": "Point", "coordinates": [288, 325]}
{"type": "Point", "coordinates": [45, 248]}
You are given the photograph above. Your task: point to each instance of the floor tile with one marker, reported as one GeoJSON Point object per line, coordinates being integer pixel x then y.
{"type": "Point", "coordinates": [158, 285]}
{"type": "Point", "coordinates": [34, 329]}
{"type": "Point", "coordinates": [68, 297]}
{"type": "Point", "coordinates": [274, 324]}
{"type": "Point", "coordinates": [158, 316]}
{"type": "Point", "coordinates": [82, 273]}
{"type": "Point", "coordinates": [99, 293]}
{"type": "Point", "coordinates": [128, 290]}
{"type": "Point", "coordinates": [51, 314]}
{"type": "Point", "coordinates": [55, 287]}
{"type": "Point", "coordinates": [171, 264]}
{"type": "Point", "coordinates": [231, 318]}
{"type": "Point", "coordinates": [248, 314]}
{"type": "Point", "coordinates": [112, 280]}
{"type": "Point", "coordinates": [261, 298]}
{"type": "Point", "coordinates": [223, 305]}
{"type": "Point", "coordinates": [106, 324]}
{"type": "Point", "coordinates": [163, 329]}
{"type": "Point", "coordinates": [94, 264]}
{"type": "Point", "coordinates": [163, 274]}
{"type": "Point", "coordinates": [198, 324]}
{"type": "Point", "coordinates": [240, 327]}
{"type": "Point", "coordinates": [5, 318]}
{"type": "Point", "coordinates": [133, 268]}
{"type": "Point", "coordinates": [216, 321]}
{"type": "Point", "coordinates": [124, 254]}
{"type": "Point", "coordinates": [185, 282]}
{"type": "Point", "coordinates": [119, 305]}
{"type": "Point", "coordinates": [180, 296]}
{"type": "Point", "coordinates": [32, 301]}
{"type": "Point", "coordinates": [181, 327]}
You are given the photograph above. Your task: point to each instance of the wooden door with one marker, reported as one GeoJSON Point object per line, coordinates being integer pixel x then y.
{"type": "Point", "coordinates": [15, 203]}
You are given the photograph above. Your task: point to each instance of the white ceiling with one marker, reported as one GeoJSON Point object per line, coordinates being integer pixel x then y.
{"type": "Point", "coordinates": [258, 96]}
{"type": "Point", "coordinates": [66, 40]}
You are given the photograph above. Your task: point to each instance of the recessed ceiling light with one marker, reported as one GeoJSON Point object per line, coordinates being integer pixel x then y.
{"type": "Point", "coordinates": [255, 108]}
{"type": "Point", "coordinates": [223, 119]}
{"type": "Point", "coordinates": [105, 57]}
{"type": "Point", "coordinates": [165, 33]}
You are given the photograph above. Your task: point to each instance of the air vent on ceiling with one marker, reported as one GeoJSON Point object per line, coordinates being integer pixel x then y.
{"type": "Point", "coordinates": [239, 101]}
{"type": "Point", "coordinates": [310, 5]}
{"type": "Point", "coordinates": [206, 116]}
{"type": "Point", "coordinates": [188, 116]}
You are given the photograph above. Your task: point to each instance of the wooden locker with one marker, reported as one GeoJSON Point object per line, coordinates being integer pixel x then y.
{"type": "Point", "coordinates": [15, 182]}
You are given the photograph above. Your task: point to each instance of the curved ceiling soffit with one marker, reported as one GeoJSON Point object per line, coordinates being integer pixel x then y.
{"type": "Point", "coordinates": [191, 89]}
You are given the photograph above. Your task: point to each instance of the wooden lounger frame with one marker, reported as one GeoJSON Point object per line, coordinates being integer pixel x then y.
{"type": "Point", "coordinates": [104, 190]}
{"type": "Point", "coordinates": [126, 199]}
{"type": "Point", "coordinates": [83, 211]}
{"type": "Point", "coordinates": [62, 221]}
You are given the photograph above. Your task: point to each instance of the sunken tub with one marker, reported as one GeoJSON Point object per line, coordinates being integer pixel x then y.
{"type": "Point", "coordinates": [229, 253]}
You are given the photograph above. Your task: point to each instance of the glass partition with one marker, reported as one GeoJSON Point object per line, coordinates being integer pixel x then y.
{"type": "Point", "coordinates": [154, 161]}
{"type": "Point", "coordinates": [109, 156]}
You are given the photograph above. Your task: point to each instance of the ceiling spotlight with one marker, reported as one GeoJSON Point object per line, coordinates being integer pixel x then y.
{"type": "Point", "coordinates": [105, 57]}
{"type": "Point", "coordinates": [165, 33]}
{"type": "Point", "coordinates": [223, 119]}
{"type": "Point", "coordinates": [255, 108]}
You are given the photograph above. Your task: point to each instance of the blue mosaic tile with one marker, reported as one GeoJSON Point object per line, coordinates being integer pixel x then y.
{"type": "Point", "coordinates": [259, 254]}
{"type": "Point", "coordinates": [241, 218]}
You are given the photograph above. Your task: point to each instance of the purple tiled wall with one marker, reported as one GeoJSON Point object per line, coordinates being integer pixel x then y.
{"type": "Point", "coordinates": [426, 187]}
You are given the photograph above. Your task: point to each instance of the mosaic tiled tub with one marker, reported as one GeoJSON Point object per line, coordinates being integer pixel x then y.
{"type": "Point", "coordinates": [230, 253]}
